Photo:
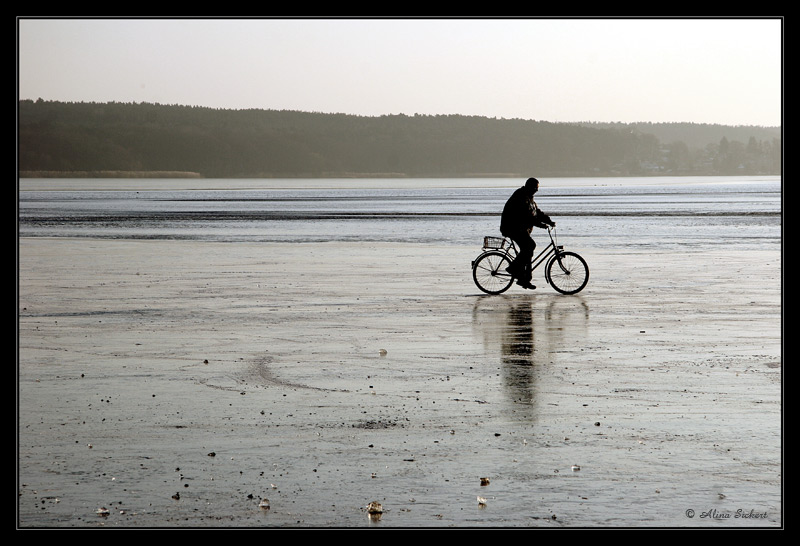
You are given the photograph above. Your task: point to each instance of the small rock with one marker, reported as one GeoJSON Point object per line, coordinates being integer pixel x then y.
{"type": "Point", "coordinates": [374, 508]}
{"type": "Point", "coordinates": [484, 481]}
{"type": "Point", "coordinates": [264, 504]}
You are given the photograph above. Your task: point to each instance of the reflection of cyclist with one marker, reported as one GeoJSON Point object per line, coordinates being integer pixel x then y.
{"type": "Point", "coordinates": [519, 217]}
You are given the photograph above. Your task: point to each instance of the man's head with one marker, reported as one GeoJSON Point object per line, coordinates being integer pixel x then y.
{"type": "Point", "coordinates": [532, 185]}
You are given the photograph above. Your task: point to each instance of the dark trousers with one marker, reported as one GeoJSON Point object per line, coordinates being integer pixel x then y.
{"type": "Point", "coordinates": [526, 246]}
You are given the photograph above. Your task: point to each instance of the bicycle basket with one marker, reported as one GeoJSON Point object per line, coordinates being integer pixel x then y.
{"type": "Point", "coordinates": [494, 242]}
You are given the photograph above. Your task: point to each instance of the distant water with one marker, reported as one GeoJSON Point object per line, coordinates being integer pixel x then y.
{"type": "Point", "coordinates": [675, 212]}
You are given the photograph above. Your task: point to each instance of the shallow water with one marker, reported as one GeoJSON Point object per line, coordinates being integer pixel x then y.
{"type": "Point", "coordinates": [140, 357]}
{"type": "Point", "coordinates": [590, 212]}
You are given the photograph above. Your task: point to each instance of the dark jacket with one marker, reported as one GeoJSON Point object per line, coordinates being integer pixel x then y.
{"type": "Point", "coordinates": [521, 214]}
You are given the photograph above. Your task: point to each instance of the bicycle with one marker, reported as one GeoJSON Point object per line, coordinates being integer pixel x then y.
{"type": "Point", "coordinates": [567, 272]}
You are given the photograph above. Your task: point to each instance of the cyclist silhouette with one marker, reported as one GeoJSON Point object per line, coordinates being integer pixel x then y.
{"type": "Point", "coordinates": [520, 215]}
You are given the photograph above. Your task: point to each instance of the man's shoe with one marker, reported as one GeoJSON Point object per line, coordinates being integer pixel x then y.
{"type": "Point", "coordinates": [526, 284]}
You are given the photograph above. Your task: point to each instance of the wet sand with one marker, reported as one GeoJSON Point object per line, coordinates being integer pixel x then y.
{"type": "Point", "coordinates": [177, 384]}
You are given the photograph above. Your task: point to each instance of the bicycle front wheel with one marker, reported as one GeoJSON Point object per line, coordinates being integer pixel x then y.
{"type": "Point", "coordinates": [567, 273]}
{"type": "Point", "coordinates": [489, 272]}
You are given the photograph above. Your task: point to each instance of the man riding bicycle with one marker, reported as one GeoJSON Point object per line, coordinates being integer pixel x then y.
{"type": "Point", "coordinates": [520, 215]}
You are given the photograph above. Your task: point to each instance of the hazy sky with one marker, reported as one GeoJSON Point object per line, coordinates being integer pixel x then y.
{"type": "Point", "coordinates": [726, 71]}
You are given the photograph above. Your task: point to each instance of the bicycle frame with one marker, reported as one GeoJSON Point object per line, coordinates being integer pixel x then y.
{"type": "Point", "coordinates": [547, 253]}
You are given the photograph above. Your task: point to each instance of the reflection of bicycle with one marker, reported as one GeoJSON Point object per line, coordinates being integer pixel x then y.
{"type": "Point", "coordinates": [565, 271]}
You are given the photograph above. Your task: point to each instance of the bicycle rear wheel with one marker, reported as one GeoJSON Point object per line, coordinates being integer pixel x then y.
{"type": "Point", "coordinates": [567, 273]}
{"type": "Point", "coordinates": [489, 272]}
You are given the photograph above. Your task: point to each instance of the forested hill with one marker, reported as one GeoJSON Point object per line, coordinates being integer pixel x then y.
{"type": "Point", "coordinates": [63, 139]}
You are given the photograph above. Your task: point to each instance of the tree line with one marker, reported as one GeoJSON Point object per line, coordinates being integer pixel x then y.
{"type": "Point", "coordinates": [69, 137]}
